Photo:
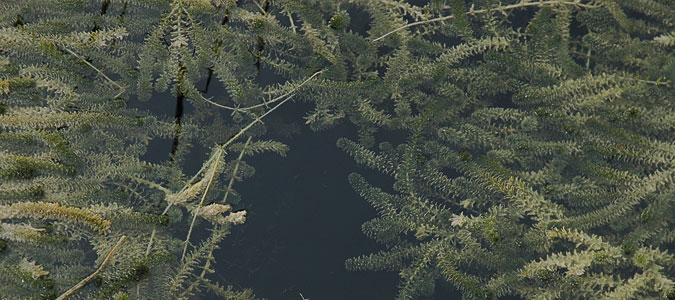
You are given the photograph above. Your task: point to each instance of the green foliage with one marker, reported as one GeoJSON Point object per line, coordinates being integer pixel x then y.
{"type": "Point", "coordinates": [536, 158]}
{"type": "Point", "coordinates": [72, 177]}
{"type": "Point", "coordinates": [542, 159]}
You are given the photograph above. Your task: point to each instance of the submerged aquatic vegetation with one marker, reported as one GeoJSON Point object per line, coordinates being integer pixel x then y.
{"type": "Point", "coordinates": [538, 157]}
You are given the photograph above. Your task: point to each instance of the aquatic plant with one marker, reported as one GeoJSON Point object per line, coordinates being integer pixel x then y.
{"type": "Point", "coordinates": [537, 157]}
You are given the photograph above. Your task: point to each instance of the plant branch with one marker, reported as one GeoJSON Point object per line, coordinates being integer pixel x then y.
{"type": "Point", "coordinates": [92, 275]}
{"type": "Point", "coordinates": [212, 174]}
{"type": "Point", "coordinates": [122, 89]}
{"type": "Point", "coordinates": [501, 9]}
{"type": "Point", "coordinates": [265, 103]}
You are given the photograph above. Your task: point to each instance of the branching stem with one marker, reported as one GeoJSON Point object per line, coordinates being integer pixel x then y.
{"type": "Point", "coordinates": [265, 103]}
{"type": "Point", "coordinates": [121, 88]}
{"type": "Point", "coordinates": [501, 9]}
{"type": "Point", "coordinates": [92, 275]}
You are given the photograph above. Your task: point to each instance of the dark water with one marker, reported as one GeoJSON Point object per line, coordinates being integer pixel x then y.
{"type": "Point", "coordinates": [305, 220]}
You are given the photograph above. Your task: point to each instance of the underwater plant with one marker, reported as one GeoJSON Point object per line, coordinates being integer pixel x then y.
{"type": "Point", "coordinates": [530, 142]}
